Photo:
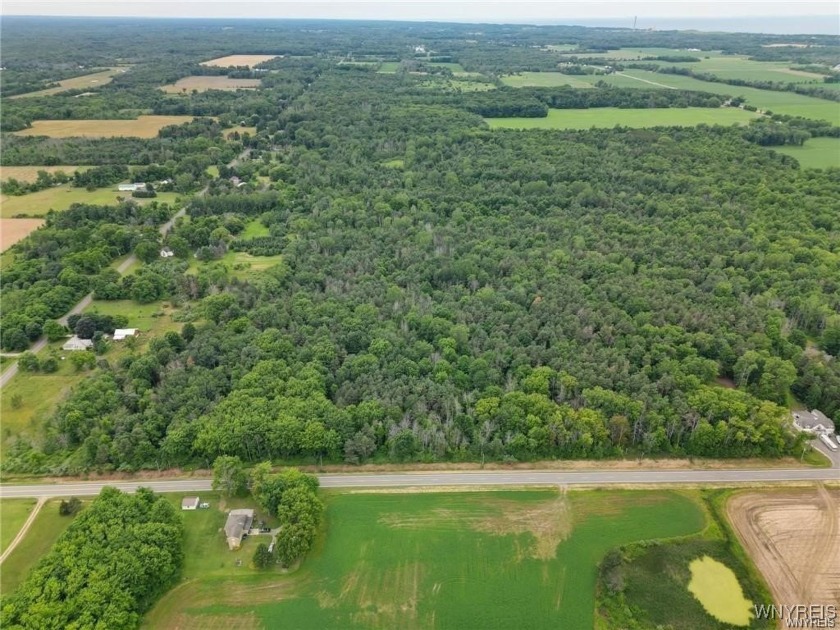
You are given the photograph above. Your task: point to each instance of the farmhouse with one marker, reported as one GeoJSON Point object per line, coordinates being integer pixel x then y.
{"type": "Point", "coordinates": [814, 421]}
{"type": "Point", "coordinates": [132, 187]}
{"type": "Point", "coordinates": [190, 503]}
{"type": "Point", "coordinates": [238, 524]}
{"type": "Point", "coordinates": [74, 343]}
{"type": "Point", "coordinates": [122, 333]}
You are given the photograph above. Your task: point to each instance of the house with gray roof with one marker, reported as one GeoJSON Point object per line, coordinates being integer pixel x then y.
{"type": "Point", "coordinates": [238, 524]}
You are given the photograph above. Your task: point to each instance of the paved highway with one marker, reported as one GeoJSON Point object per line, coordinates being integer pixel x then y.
{"type": "Point", "coordinates": [458, 479]}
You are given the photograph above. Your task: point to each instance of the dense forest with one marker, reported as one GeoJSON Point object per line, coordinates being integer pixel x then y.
{"type": "Point", "coordinates": [442, 291]}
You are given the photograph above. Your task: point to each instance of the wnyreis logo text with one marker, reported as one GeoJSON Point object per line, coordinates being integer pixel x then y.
{"type": "Point", "coordinates": [800, 615]}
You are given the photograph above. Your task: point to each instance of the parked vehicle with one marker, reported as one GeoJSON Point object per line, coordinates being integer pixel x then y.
{"type": "Point", "coordinates": [828, 441]}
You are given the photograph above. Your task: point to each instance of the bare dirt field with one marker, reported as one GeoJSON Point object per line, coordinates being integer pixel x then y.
{"type": "Point", "coordinates": [793, 536]}
{"type": "Point", "coordinates": [76, 83]}
{"type": "Point", "coordinates": [238, 60]}
{"type": "Point", "coordinates": [202, 84]}
{"type": "Point", "coordinates": [14, 230]}
{"type": "Point", "coordinates": [30, 173]}
{"type": "Point", "coordinates": [142, 127]}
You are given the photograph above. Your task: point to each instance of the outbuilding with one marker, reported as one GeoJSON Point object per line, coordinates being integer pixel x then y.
{"type": "Point", "coordinates": [122, 333]}
{"type": "Point", "coordinates": [190, 503]}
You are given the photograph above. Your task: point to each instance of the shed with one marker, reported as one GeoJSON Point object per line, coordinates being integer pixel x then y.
{"type": "Point", "coordinates": [122, 333]}
{"type": "Point", "coordinates": [74, 343]}
{"type": "Point", "coordinates": [190, 503]}
{"type": "Point", "coordinates": [132, 187]}
{"type": "Point", "coordinates": [238, 524]}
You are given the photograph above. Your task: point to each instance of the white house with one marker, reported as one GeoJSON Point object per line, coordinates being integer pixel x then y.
{"type": "Point", "coordinates": [74, 343]}
{"type": "Point", "coordinates": [814, 421]}
{"type": "Point", "coordinates": [132, 187]}
{"type": "Point", "coordinates": [189, 503]}
{"type": "Point", "coordinates": [122, 333]}
{"type": "Point", "coordinates": [166, 253]}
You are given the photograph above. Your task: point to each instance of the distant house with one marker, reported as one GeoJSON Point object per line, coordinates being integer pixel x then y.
{"type": "Point", "coordinates": [122, 333]}
{"type": "Point", "coordinates": [74, 343]}
{"type": "Point", "coordinates": [189, 503]}
{"type": "Point", "coordinates": [132, 187]}
{"type": "Point", "coordinates": [166, 253]}
{"type": "Point", "coordinates": [238, 524]}
{"type": "Point", "coordinates": [814, 421]}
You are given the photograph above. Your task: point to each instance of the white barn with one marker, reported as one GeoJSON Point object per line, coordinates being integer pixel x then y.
{"type": "Point", "coordinates": [122, 333]}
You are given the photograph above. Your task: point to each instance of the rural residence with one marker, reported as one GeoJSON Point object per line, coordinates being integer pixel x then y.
{"type": "Point", "coordinates": [74, 343]}
{"type": "Point", "coordinates": [166, 253]}
{"type": "Point", "coordinates": [238, 524]}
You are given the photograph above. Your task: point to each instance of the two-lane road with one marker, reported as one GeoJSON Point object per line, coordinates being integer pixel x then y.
{"type": "Point", "coordinates": [459, 479]}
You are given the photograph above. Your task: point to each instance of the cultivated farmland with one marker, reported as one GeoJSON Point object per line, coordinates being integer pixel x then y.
{"type": "Point", "coordinates": [62, 197]}
{"type": "Point", "coordinates": [87, 81]}
{"type": "Point", "coordinates": [793, 537]}
{"type": "Point", "coordinates": [546, 79]}
{"type": "Point", "coordinates": [238, 61]}
{"type": "Point", "coordinates": [14, 230]}
{"type": "Point", "coordinates": [444, 560]}
{"type": "Point", "coordinates": [30, 173]}
{"type": "Point", "coordinates": [141, 127]}
{"type": "Point", "coordinates": [815, 153]}
{"type": "Point", "coordinates": [612, 116]}
{"type": "Point", "coordinates": [202, 84]}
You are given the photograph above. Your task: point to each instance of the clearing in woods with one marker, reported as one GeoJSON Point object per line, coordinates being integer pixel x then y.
{"type": "Point", "coordinates": [793, 536]}
{"type": "Point", "coordinates": [815, 153]}
{"type": "Point", "coordinates": [86, 81]}
{"type": "Point", "coordinates": [141, 127]}
{"type": "Point", "coordinates": [238, 61]}
{"type": "Point", "coordinates": [62, 197]}
{"type": "Point", "coordinates": [202, 84]}
{"type": "Point", "coordinates": [14, 230]}
{"type": "Point", "coordinates": [446, 560]}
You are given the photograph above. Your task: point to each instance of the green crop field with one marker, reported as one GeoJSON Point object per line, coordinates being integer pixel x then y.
{"type": "Point", "coordinates": [13, 514]}
{"type": "Point", "coordinates": [524, 559]}
{"type": "Point", "coordinates": [547, 79]}
{"type": "Point", "coordinates": [815, 153]}
{"type": "Point", "coordinates": [778, 102]}
{"type": "Point", "coordinates": [45, 530]}
{"type": "Point", "coordinates": [62, 197]}
{"type": "Point", "coordinates": [612, 116]}
{"type": "Point", "coordinates": [389, 67]}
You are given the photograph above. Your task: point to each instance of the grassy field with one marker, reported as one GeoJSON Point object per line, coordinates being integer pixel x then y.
{"type": "Point", "coordinates": [141, 127]}
{"type": "Point", "coordinates": [151, 320]}
{"type": "Point", "coordinates": [204, 83]}
{"type": "Point", "coordinates": [92, 80]}
{"type": "Point", "coordinates": [30, 173]}
{"type": "Point", "coordinates": [778, 102]}
{"type": "Point", "coordinates": [14, 230]}
{"type": "Point", "coordinates": [238, 60]}
{"type": "Point", "coordinates": [240, 264]}
{"type": "Point", "coordinates": [251, 131]}
{"type": "Point", "coordinates": [546, 79]}
{"type": "Point", "coordinates": [612, 116]}
{"type": "Point", "coordinates": [815, 153]}
{"type": "Point", "coordinates": [389, 67]}
{"type": "Point", "coordinates": [254, 229]}
{"type": "Point", "coordinates": [62, 197]}
{"type": "Point", "coordinates": [13, 514]}
{"type": "Point", "coordinates": [45, 530]}
{"type": "Point", "coordinates": [520, 559]}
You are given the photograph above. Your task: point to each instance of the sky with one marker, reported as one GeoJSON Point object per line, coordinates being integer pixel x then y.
{"type": "Point", "coordinates": [619, 12]}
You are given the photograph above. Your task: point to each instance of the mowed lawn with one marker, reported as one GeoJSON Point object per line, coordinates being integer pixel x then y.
{"type": "Point", "coordinates": [86, 81]}
{"type": "Point", "coordinates": [815, 153]}
{"type": "Point", "coordinates": [62, 197]}
{"type": "Point", "coordinates": [13, 514]}
{"type": "Point", "coordinates": [45, 530]}
{"type": "Point", "coordinates": [512, 559]}
{"type": "Point", "coordinates": [140, 127]}
{"type": "Point", "coordinates": [612, 116]}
